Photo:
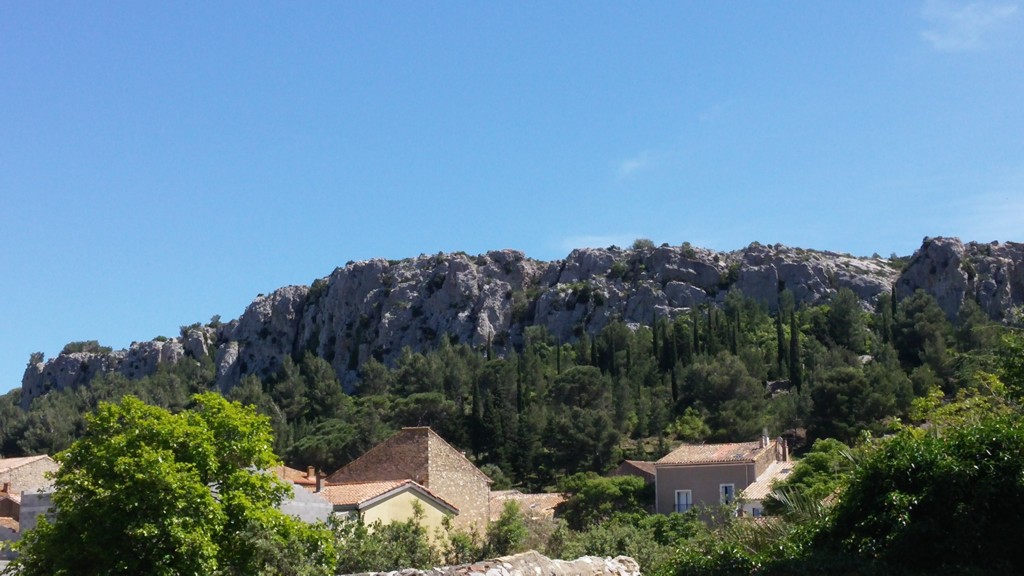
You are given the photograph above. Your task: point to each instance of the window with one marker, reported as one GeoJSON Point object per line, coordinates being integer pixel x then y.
{"type": "Point", "coordinates": [684, 500]}
{"type": "Point", "coordinates": [727, 493]}
{"type": "Point", "coordinates": [757, 513]}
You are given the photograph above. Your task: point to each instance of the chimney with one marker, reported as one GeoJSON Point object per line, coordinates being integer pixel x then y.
{"type": "Point", "coordinates": [310, 472]}
{"type": "Point", "coordinates": [319, 482]}
{"type": "Point", "coordinates": [7, 488]}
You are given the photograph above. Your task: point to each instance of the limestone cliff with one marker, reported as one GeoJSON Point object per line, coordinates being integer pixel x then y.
{"type": "Point", "coordinates": [376, 308]}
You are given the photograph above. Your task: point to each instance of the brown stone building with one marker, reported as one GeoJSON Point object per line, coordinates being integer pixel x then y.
{"type": "Point", "coordinates": [710, 474]}
{"type": "Point", "coordinates": [420, 455]}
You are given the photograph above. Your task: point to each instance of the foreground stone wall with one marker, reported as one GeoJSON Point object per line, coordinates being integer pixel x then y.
{"type": "Point", "coordinates": [531, 564]}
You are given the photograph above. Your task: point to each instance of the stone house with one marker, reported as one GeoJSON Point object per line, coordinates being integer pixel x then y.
{"type": "Point", "coordinates": [24, 495]}
{"type": "Point", "coordinates": [27, 474]}
{"type": "Point", "coordinates": [710, 474]}
{"type": "Point", "coordinates": [420, 455]}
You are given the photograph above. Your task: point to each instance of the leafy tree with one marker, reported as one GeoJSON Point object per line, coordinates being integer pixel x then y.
{"type": "Point", "coordinates": [150, 492]}
{"type": "Point", "coordinates": [818, 474]}
{"type": "Point", "coordinates": [689, 426]}
{"type": "Point", "coordinates": [921, 333]}
{"type": "Point", "coordinates": [595, 499]}
{"type": "Point", "coordinates": [383, 547]}
{"type": "Point", "coordinates": [922, 502]}
{"type": "Point", "coordinates": [845, 321]}
{"type": "Point", "coordinates": [507, 534]}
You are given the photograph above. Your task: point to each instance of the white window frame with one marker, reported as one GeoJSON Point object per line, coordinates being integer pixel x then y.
{"type": "Point", "coordinates": [725, 498]}
{"type": "Point", "coordinates": [688, 503]}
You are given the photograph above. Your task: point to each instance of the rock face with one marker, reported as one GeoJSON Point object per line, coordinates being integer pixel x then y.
{"type": "Point", "coordinates": [990, 274]}
{"type": "Point", "coordinates": [141, 359]}
{"type": "Point", "coordinates": [376, 308]}
{"type": "Point", "coordinates": [531, 564]}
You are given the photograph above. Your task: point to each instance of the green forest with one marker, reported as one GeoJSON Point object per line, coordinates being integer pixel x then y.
{"type": "Point", "coordinates": [848, 387]}
{"type": "Point", "coordinates": [553, 409]}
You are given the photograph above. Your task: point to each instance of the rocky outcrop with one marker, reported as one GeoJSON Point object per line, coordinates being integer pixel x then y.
{"type": "Point", "coordinates": [71, 369]}
{"type": "Point", "coordinates": [990, 274]}
{"type": "Point", "coordinates": [531, 564]}
{"type": "Point", "coordinates": [378, 307]}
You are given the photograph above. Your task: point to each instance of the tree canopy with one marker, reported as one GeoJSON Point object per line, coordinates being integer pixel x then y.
{"type": "Point", "coordinates": [145, 491]}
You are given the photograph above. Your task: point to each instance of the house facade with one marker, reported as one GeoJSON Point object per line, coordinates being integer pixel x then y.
{"type": "Point", "coordinates": [696, 475]}
{"type": "Point", "coordinates": [389, 501]}
{"type": "Point", "coordinates": [420, 455]}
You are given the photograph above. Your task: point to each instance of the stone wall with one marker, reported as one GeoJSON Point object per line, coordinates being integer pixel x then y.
{"type": "Point", "coordinates": [531, 564]}
{"type": "Point", "coordinates": [457, 480]}
{"type": "Point", "coordinates": [30, 476]}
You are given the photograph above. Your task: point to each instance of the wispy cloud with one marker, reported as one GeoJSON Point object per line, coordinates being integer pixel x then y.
{"type": "Point", "coordinates": [630, 166]}
{"type": "Point", "coordinates": [957, 27]}
{"type": "Point", "coordinates": [620, 240]}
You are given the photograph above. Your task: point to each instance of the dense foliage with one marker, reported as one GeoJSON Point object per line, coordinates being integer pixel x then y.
{"type": "Point", "coordinates": [925, 499]}
{"type": "Point", "coordinates": [552, 409]}
{"type": "Point", "coordinates": [552, 414]}
{"type": "Point", "coordinates": [145, 491]}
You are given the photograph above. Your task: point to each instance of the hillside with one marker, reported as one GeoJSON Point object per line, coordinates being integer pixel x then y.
{"type": "Point", "coordinates": [376, 308]}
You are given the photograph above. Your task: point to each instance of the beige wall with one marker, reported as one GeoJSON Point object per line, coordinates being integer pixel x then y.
{"type": "Point", "coordinates": [423, 456]}
{"type": "Point", "coordinates": [400, 508]}
{"type": "Point", "coordinates": [702, 480]}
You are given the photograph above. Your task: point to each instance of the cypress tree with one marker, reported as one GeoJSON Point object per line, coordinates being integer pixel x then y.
{"type": "Point", "coordinates": [780, 342]}
{"type": "Point", "coordinates": [795, 376]}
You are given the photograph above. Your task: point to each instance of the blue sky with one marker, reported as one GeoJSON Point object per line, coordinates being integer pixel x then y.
{"type": "Point", "coordinates": [164, 162]}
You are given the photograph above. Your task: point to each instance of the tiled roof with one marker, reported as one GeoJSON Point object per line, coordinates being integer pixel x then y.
{"type": "Point", "coordinates": [641, 465]}
{"type": "Point", "coordinates": [354, 493]}
{"type": "Point", "coordinates": [9, 523]}
{"type": "Point", "coordinates": [12, 463]}
{"type": "Point", "coordinates": [301, 477]}
{"type": "Point", "coordinates": [359, 493]}
{"type": "Point", "coordinates": [762, 487]}
{"type": "Point", "coordinates": [714, 453]}
{"type": "Point", "coordinates": [532, 505]}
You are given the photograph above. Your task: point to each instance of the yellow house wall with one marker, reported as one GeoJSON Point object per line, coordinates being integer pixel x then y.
{"type": "Point", "coordinates": [400, 508]}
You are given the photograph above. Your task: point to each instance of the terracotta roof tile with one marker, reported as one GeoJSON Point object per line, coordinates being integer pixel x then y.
{"type": "Point", "coordinates": [295, 476]}
{"type": "Point", "coordinates": [356, 493]}
{"type": "Point", "coordinates": [9, 523]}
{"type": "Point", "coordinates": [714, 453]}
